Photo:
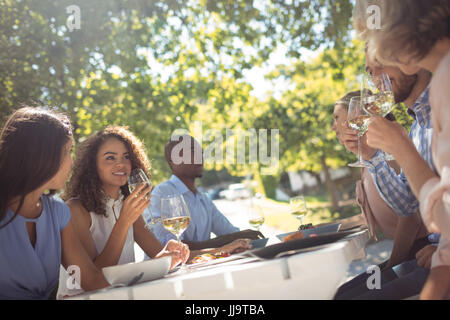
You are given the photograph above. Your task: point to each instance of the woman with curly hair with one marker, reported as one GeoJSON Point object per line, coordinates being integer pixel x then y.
{"type": "Point", "coordinates": [36, 229]}
{"type": "Point", "coordinates": [415, 34]}
{"type": "Point", "coordinates": [107, 218]}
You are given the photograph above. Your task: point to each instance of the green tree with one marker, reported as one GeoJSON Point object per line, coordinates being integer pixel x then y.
{"type": "Point", "coordinates": [157, 66]}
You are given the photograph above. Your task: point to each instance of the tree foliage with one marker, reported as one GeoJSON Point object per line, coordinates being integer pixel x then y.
{"type": "Point", "coordinates": [158, 66]}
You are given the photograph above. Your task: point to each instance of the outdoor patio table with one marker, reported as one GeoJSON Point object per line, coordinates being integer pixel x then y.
{"type": "Point", "coordinates": [314, 274]}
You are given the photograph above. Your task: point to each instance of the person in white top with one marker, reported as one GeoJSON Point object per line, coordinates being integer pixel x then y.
{"type": "Point", "coordinates": [415, 34]}
{"type": "Point", "coordinates": [106, 217]}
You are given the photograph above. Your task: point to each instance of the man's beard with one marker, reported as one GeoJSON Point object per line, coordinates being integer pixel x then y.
{"type": "Point", "coordinates": [404, 88]}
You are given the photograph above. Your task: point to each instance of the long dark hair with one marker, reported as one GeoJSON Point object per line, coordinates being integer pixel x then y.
{"type": "Point", "coordinates": [31, 148]}
{"type": "Point", "coordinates": [85, 182]}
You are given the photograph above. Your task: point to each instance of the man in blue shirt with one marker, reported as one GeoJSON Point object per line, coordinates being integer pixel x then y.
{"type": "Point", "coordinates": [205, 217]}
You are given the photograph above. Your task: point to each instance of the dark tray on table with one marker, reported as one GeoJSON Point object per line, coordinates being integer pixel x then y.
{"type": "Point", "coordinates": [274, 250]}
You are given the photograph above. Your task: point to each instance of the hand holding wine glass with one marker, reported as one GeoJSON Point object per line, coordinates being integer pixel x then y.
{"type": "Point", "coordinates": [179, 252]}
{"type": "Point", "coordinates": [378, 98]}
{"type": "Point", "coordinates": [175, 215]}
{"type": "Point", "coordinates": [137, 178]}
{"type": "Point", "coordinates": [134, 205]}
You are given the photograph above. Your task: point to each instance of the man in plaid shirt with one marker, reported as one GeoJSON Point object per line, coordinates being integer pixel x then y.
{"type": "Point", "coordinates": [394, 188]}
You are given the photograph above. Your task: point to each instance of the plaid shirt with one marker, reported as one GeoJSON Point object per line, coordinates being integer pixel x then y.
{"type": "Point", "coordinates": [393, 188]}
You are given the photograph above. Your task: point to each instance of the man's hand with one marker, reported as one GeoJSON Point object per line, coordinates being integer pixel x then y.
{"type": "Point", "coordinates": [424, 256]}
{"type": "Point", "coordinates": [350, 139]}
{"type": "Point", "coordinates": [236, 246]}
{"type": "Point", "coordinates": [388, 136]}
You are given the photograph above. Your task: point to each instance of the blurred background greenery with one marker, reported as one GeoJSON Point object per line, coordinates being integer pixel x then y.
{"type": "Point", "coordinates": [159, 66]}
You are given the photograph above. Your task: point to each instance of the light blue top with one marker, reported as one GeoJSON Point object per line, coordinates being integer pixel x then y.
{"type": "Point", "coordinates": [205, 217]}
{"type": "Point", "coordinates": [27, 272]}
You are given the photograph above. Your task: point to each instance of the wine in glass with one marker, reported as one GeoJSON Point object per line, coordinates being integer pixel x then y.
{"type": "Point", "coordinates": [358, 119]}
{"type": "Point", "coordinates": [298, 207]}
{"type": "Point", "coordinates": [377, 94]}
{"type": "Point", "coordinates": [175, 215]}
{"type": "Point", "coordinates": [256, 216]}
{"type": "Point", "coordinates": [138, 177]}
{"type": "Point", "coordinates": [378, 98]}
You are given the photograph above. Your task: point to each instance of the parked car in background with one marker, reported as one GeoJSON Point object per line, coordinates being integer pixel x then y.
{"type": "Point", "coordinates": [235, 191]}
{"type": "Point", "coordinates": [214, 193]}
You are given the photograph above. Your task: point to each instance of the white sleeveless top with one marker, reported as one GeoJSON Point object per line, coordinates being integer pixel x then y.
{"type": "Point", "coordinates": [101, 228]}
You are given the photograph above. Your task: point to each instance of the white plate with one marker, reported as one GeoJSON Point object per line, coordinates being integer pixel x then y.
{"type": "Point", "coordinates": [152, 269]}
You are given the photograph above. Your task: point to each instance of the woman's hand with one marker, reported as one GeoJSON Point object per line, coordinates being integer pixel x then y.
{"type": "Point", "coordinates": [349, 138]}
{"type": "Point", "coordinates": [135, 204]}
{"type": "Point", "coordinates": [178, 251]}
{"type": "Point", "coordinates": [238, 245]}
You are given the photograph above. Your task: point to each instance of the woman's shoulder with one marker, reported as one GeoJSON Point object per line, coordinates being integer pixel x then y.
{"type": "Point", "coordinates": [61, 213]}
{"type": "Point", "coordinates": [77, 208]}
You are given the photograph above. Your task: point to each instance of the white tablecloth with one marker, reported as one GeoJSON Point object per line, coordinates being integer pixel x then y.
{"type": "Point", "coordinates": [309, 275]}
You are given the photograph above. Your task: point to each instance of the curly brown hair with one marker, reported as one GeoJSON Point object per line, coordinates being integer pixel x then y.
{"type": "Point", "coordinates": [85, 183]}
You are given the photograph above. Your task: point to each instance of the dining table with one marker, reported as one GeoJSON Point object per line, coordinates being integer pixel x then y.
{"type": "Point", "coordinates": [279, 271]}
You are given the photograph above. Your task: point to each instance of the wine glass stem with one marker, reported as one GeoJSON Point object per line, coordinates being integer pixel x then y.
{"type": "Point", "coordinates": [182, 266]}
{"type": "Point", "coordinates": [359, 148]}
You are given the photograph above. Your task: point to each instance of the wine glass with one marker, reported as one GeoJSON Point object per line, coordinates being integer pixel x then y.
{"type": "Point", "coordinates": [378, 98]}
{"type": "Point", "coordinates": [255, 216]}
{"type": "Point", "coordinates": [175, 215]}
{"type": "Point", "coordinates": [298, 207]}
{"type": "Point", "coordinates": [358, 119]}
{"type": "Point", "coordinates": [138, 177]}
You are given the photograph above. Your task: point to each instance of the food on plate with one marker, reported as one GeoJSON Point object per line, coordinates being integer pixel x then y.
{"type": "Point", "coordinates": [208, 257]}
{"type": "Point", "coordinates": [305, 227]}
{"type": "Point", "coordinates": [294, 236]}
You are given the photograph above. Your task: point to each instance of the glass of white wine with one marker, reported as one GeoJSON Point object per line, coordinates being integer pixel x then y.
{"type": "Point", "coordinates": [255, 216]}
{"type": "Point", "coordinates": [378, 98]}
{"type": "Point", "coordinates": [358, 119]}
{"type": "Point", "coordinates": [138, 177]}
{"type": "Point", "coordinates": [298, 207]}
{"type": "Point", "coordinates": [175, 215]}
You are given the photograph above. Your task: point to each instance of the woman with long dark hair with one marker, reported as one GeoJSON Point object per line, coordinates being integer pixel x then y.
{"type": "Point", "coordinates": [36, 235]}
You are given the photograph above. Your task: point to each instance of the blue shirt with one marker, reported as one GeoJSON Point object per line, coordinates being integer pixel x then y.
{"type": "Point", "coordinates": [205, 217]}
{"type": "Point", "coordinates": [27, 272]}
{"type": "Point", "coordinates": [393, 188]}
